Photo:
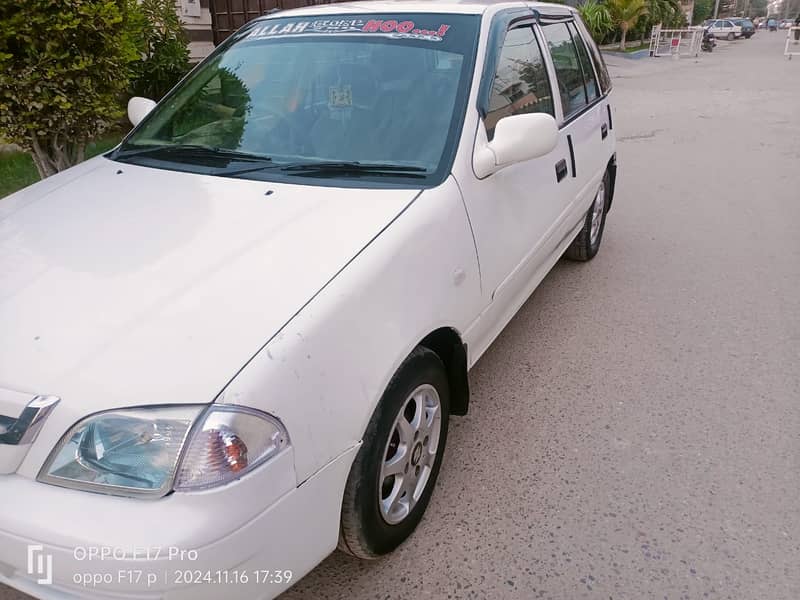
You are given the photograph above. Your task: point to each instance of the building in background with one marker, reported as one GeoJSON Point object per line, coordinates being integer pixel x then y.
{"type": "Point", "coordinates": [208, 22]}
{"type": "Point", "coordinates": [196, 18]}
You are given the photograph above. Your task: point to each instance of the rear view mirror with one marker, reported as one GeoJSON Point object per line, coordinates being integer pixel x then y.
{"type": "Point", "coordinates": [516, 139]}
{"type": "Point", "coordinates": [138, 109]}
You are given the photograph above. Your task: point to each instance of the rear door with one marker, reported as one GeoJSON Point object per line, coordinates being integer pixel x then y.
{"type": "Point", "coordinates": [585, 113]}
{"type": "Point", "coordinates": [723, 28]}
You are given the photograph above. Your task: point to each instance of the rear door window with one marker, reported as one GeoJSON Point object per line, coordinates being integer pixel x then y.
{"type": "Point", "coordinates": [592, 91]}
{"type": "Point", "coordinates": [520, 82]}
{"type": "Point", "coordinates": [568, 68]}
{"type": "Point", "coordinates": [604, 79]}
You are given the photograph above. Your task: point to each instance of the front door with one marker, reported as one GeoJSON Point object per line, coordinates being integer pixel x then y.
{"type": "Point", "coordinates": [516, 211]}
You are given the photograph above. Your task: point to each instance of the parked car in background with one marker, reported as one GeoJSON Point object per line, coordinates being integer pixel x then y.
{"type": "Point", "coordinates": [725, 29]}
{"type": "Point", "coordinates": [748, 27]}
{"type": "Point", "coordinates": [241, 333]}
{"type": "Point", "coordinates": [772, 24]}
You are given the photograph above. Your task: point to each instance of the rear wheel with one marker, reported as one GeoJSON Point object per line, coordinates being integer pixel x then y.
{"type": "Point", "coordinates": [587, 243]}
{"type": "Point", "coordinates": [395, 470]}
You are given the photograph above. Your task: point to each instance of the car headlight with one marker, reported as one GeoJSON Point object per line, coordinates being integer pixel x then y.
{"type": "Point", "coordinates": [150, 451]}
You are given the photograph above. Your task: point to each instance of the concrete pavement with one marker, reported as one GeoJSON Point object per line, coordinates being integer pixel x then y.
{"type": "Point", "coordinates": [635, 431]}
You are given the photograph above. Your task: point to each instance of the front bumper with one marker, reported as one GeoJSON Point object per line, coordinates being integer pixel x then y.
{"type": "Point", "coordinates": [234, 542]}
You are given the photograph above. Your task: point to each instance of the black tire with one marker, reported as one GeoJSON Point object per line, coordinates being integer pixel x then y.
{"type": "Point", "coordinates": [731, 37]}
{"type": "Point", "coordinates": [582, 248]}
{"type": "Point", "coordinates": [364, 532]}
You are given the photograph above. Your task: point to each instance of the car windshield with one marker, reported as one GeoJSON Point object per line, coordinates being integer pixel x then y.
{"type": "Point", "coordinates": [343, 95]}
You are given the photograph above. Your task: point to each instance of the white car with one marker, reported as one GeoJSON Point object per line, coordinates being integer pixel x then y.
{"type": "Point", "coordinates": [236, 340]}
{"type": "Point", "coordinates": [725, 29]}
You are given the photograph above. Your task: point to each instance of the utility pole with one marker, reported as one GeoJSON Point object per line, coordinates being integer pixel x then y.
{"type": "Point", "coordinates": [716, 9]}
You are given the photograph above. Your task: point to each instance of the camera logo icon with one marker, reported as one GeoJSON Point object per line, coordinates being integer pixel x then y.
{"type": "Point", "coordinates": [40, 564]}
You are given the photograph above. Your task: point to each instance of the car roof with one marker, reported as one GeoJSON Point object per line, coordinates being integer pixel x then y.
{"type": "Point", "coordinates": [474, 7]}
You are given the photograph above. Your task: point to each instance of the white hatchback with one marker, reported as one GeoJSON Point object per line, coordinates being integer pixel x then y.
{"type": "Point", "coordinates": [236, 340]}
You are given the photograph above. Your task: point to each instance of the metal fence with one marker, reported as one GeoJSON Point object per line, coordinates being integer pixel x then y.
{"type": "Point", "coordinates": [675, 42]}
{"type": "Point", "coordinates": [792, 46]}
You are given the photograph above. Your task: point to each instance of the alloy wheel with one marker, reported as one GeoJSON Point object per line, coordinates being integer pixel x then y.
{"type": "Point", "coordinates": [410, 454]}
{"type": "Point", "coordinates": [597, 213]}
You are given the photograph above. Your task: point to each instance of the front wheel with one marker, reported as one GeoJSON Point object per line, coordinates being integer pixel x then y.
{"type": "Point", "coordinates": [587, 243]}
{"type": "Point", "coordinates": [395, 470]}
{"type": "Point", "coordinates": [731, 37]}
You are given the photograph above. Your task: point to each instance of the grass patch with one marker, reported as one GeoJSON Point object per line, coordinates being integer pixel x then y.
{"type": "Point", "coordinates": [629, 48]}
{"type": "Point", "coordinates": [17, 170]}
{"type": "Point", "coordinates": [638, 48]}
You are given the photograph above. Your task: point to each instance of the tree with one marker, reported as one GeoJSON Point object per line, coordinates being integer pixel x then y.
{"type": "Point", "coordinates": [666, 12]}
{"type": "Point", "coordinates": [625, 14]}
{"type": "Point", "coordinates": [597, 19]}
{"type": "Point", "coordinates": [64, 66]}
{"type": "Point", "coordinates": [164, 47]}
{"type": "Point", "coordinates": [702, 11]}
{"type": "Point", "coordinates": [758, 8]}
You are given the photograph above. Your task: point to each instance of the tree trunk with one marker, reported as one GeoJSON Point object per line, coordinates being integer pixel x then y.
{"type": "Point", "coordinates": [622, 39]}
{"type": "Point", "coordinates": [61, 155]}
{"type": "Point", "coordinates": [42, 161]}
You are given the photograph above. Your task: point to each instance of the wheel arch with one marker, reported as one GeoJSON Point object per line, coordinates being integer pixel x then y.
{"type": "Point", "coordinates": [448, 345]}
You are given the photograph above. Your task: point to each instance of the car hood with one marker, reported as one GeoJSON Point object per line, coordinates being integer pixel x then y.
{"type": "Point", "coordinates": [126, 285]}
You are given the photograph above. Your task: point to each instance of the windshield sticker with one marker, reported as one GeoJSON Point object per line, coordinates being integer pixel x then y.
{"type": "Point", "coordinates": [340, 97]}
{"type": "Point", "coordinates": [391, 28]}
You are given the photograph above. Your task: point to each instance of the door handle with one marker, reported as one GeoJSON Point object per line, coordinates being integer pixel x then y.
{"type": "Point", "coordinates": [604, 131]}
{"type": "Point", "coordinates": [561, 169]}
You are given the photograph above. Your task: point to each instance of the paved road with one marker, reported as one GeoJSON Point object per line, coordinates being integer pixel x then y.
{"type": "Point", "coordinates": [635, 431]}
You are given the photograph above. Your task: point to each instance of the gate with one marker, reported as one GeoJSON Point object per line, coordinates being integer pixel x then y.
{"type": "Point", "coordinates": [675, 42]}
{"type": "Point", "coordinates": [228, 15]}
{"type": "Point", "coordinates": [792, 37]}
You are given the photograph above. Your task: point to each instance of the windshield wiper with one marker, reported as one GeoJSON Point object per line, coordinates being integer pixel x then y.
{"type": "Point", "coordinates": [355, 167]}
{"type": "Point", "coordinates": [191, 150]}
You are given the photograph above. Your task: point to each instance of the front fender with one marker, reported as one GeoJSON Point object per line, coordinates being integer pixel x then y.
{"type": "Point", "coordinates": [325, 371]}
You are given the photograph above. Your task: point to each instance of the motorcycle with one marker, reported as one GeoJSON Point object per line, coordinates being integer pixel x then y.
{"type": "Point", "coordinates": [709, 41]}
